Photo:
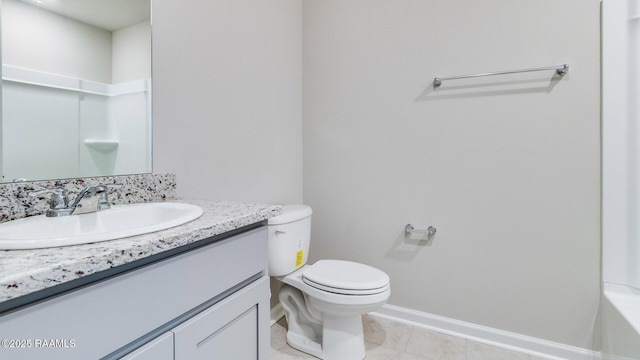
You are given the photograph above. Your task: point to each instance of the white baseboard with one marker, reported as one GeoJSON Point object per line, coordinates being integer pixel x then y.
{"type": "Point", "coordinates": [507, 340]}
{"type": "Point", "coordinates": [277, 312]}
{"type": "Point", "coordinates": [525, 344]}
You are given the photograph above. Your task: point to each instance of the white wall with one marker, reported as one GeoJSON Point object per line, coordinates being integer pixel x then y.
{"type": "Point", "coordinates": [131, 53]}
{"type": "Point", "coordinates": [95, 123]}
{"type": "Point", "coordinates": [227, 103]}
{"type": "Point", "coordinates": [131, 119]}
{"type": "Point", "coordinates": [39, 141]}
{"type": "Point", "coordinates": [124, 118]}
{"type": "Point", "coordinates": [507, 169]}
{"type": "Point", "coordinates": [36, 39]}
{"type": "Point", "coordinates": [65, 118]}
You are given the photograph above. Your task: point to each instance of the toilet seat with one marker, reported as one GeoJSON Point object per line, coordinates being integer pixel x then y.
{"type": "Point", "coordinates": [345, 278]}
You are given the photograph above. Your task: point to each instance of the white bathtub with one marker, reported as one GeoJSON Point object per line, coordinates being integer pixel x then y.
{"type": "Point", "coordinates": [620, 322]}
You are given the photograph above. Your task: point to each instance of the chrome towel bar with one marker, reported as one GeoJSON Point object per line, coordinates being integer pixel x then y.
{"type": "Point", "coordinates": [560, 70]}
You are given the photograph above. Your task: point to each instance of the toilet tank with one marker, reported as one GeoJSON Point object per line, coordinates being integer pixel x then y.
{"type": "Point", "coordinates": [289, 236]}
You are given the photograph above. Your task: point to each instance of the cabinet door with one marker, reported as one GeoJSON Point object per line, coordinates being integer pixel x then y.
{"type": "Point", "coordinates": [160, 348]}
{"type": "Point", "coordinates": [236, 328]}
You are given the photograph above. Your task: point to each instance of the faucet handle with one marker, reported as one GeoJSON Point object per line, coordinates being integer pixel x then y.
{"type": "Point", "coordinates": [59, 199]}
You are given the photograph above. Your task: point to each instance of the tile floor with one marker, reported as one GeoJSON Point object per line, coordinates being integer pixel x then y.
{"type": "Point", "coordinates": [390, 340]}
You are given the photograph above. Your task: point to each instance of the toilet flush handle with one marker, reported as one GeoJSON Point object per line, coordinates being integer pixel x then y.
{"type": "Point", "coordinates": [280, 231]}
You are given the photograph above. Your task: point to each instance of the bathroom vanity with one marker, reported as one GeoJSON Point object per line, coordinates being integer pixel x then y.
{"type": "Point", "coordinates": [199, 289]}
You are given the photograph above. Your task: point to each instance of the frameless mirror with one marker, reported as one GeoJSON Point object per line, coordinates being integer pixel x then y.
{"type": "Point", "coordinates": [76, 88]}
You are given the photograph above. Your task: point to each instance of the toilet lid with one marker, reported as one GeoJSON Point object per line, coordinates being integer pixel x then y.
{"type": "Point", "coordinates": [345, 277]}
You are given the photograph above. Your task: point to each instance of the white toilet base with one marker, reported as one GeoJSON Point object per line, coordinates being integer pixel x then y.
{"type": "Point", "coordinates": [335, 337]}
{"type": "Point", "coordinates": [342, 339]}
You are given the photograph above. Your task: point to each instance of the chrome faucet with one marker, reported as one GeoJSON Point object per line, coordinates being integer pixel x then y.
{"type": "Point", "coordinates": [91, 199]}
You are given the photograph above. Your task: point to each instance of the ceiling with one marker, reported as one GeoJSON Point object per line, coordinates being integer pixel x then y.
{"type": "Point", "coordinates": [105, 14]}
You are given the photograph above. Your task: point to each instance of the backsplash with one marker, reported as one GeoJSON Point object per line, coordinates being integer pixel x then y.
{"type": "Point", "coordinates": [15, 202]}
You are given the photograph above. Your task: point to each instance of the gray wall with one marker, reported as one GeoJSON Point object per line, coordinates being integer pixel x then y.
{"type": "Point", "coordinates": [507, 169]}
{"type": "Point", "coordinates": [227, 98]}
{"type": "Point", "coordinates": [508, 173]}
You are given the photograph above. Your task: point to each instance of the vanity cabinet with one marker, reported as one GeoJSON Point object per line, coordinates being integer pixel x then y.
{"type": "Point", "coordinates": [208, 302]}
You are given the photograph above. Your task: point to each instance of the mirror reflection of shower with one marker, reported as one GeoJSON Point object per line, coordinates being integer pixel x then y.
{"type": "Point", "coordinates": [76, 89]}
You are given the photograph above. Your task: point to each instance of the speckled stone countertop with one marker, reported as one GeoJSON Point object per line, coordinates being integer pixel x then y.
{"type": "Point", "coordinates": [24, 272]}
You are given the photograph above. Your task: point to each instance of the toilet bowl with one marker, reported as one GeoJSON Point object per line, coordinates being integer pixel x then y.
{"type": "Point", "coordinates": [323, 302]}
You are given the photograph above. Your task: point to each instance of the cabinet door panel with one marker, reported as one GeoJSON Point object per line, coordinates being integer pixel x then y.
{"type": "Point", "coordinates": [160, 348]}
{"type": "Point", "coordinates": [230, 329]}
{"type": "Point", "coordinates": [237, 340]}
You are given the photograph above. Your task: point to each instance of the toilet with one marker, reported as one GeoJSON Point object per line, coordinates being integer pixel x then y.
{"type": "Point", "coordinates": [323, 302]}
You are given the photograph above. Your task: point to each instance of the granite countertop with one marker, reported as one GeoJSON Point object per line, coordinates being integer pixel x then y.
{"type": "Point", "coordinates": [24, 272]}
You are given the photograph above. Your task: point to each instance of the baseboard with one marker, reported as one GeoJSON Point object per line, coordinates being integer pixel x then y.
{"type": "Point", "coordinates": [277, 312]}
{"type": "Point", "coordinates": [521, 343]}
{"type": "Point", "coordinates": [525, 344]}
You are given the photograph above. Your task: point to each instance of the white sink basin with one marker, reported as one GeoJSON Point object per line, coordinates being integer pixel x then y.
{"type": "Point", "coordinates": [120, 221]}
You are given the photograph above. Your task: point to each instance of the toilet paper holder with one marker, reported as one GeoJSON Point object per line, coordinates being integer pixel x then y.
{"type": "Point", "coordinates": [409, 229]}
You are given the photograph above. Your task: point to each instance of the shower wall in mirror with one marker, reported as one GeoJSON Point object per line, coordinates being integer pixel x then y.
{"type": "Point", "coordinates": [76, 88]}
